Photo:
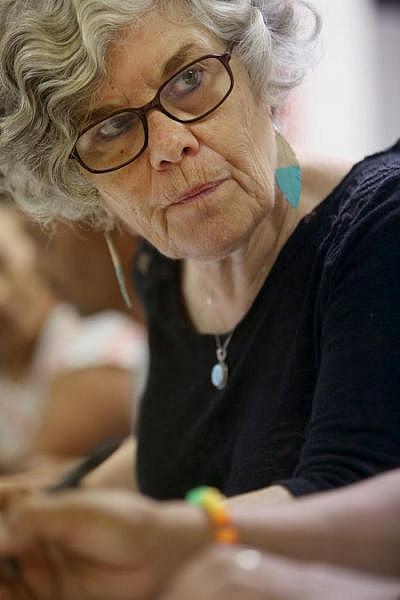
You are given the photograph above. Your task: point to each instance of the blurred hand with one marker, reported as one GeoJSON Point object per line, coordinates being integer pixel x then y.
{"type": "Point", "coordinates": [99, 545]}
{"type": "Point", "coordinates": [235, 574]}
{"type": "Point", "coordinates": [38, 473]}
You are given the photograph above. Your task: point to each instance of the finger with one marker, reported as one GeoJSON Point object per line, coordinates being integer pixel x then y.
{"type": "Point", "coordinates": [11, 491]}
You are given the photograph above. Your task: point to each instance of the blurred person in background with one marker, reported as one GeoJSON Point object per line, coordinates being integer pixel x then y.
{"type": "Point", "coordinates": [66, 381]}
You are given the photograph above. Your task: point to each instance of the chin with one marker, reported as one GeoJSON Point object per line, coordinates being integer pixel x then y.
{"type": "Point", "coordinates": [210, 248]}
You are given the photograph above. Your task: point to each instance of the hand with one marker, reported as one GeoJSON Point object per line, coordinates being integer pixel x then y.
{"type": "Point", "coordinates": [234, 574]}
{"type": "Point", "coordinates": [39, 473]}
{"type": "Point", "coordinates": [100, 544]}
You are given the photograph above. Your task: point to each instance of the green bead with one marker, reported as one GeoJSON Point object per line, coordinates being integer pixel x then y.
{"type": "Point", "coordinates": [196, 495]}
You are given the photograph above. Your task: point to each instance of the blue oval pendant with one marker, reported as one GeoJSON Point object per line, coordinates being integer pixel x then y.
{"type": "Point", "coordinates": [219, 375]}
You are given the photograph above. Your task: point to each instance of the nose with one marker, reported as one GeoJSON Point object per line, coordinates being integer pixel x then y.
{"type": "Point", "coordinates": [169, 141]}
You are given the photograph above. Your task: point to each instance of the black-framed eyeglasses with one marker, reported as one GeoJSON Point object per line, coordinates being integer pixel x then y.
{"type": "Point", "coordinates": [193, 93]}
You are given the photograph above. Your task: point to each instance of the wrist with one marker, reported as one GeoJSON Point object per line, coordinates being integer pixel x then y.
{"type": "Point", "coordinates": [215, 505]}
{"type": "Point", "coordinates": [188, 525]}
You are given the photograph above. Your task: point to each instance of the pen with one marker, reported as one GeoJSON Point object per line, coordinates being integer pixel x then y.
{"type": "Point", "coordinates": [74, 477]}
{"type": "Point", "coordinates": [9, 566]}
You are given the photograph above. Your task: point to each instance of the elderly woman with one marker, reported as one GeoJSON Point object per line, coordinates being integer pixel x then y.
{"type": "Point", "coordinates": [272, 306]}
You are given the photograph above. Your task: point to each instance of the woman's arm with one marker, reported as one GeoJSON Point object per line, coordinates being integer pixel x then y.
{"type": "Point", "coordinates": [353, 430]}
{"type": "Point", "coordinates": [234, 574]}
{"type": "Point", "coordinates": [82, 407]}
{"type": "Point", "coordinates": [356, 527]}
{"type": "Point", "coordinates": [274, 494]}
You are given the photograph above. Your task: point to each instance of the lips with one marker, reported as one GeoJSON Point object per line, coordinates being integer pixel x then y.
{"type": "Point", "coordinates": [198, 190]}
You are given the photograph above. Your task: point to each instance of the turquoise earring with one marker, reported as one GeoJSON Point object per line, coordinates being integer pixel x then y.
{"type": "Point", "coordinates": [288, 173]}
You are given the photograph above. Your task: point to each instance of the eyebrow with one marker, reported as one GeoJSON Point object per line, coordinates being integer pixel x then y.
{"type": "Point", "coordinates": [172, 65]}
{"type": "Point", "coordinates": [178, 59]}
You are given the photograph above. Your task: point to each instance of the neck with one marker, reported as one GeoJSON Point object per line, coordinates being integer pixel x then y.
{"type": "Point", "coordinates": [218, 293]}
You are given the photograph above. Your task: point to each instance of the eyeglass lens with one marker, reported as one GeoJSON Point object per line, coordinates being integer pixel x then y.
{"type": "Point", "coordinates": [189, 95]}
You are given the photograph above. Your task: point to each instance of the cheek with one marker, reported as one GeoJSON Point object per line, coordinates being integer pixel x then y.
{"type": "Point", "coordinates": [128, 209]}
{"type": "Point", "coordinates": [256, 136]}
{"type": "Point", "coordinates": [242, 134]}
{"type": "Point", "coordinates": [122, 194]}
{"type": "Point", "coordinates": [253, 171]}
{"type": "Point", "coordinates": [130, 205]}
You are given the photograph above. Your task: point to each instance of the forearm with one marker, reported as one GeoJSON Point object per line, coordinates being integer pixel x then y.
{"type": "Point", "coordinates": [64, 429]}
{"type": "Point", "coordinates": [354, 527]}
{"type": "Point", "coordinates": [118, 470]}
{"type": "Point", "coordinates": [275, 494]}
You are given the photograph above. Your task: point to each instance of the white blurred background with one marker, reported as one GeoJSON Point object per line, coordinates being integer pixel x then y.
{"type": "Point", "coordinates": [350, 104]}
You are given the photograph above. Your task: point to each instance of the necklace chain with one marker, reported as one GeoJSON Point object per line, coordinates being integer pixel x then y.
{"type": "Point", "coordinates": [222, 349]}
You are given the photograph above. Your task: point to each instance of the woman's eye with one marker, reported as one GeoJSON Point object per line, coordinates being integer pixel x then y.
{"type": "Point", "coordinates": [191, 77]}
{"type": "Point", "coordinates": [186, 82]}
{"type": "Point", "coordinates": [113, 128]}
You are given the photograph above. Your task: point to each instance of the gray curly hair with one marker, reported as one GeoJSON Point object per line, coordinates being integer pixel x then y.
{"type": "Point", "coordinates": [52, 59]}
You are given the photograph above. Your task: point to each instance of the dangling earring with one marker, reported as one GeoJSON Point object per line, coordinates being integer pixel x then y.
{"type": "Point", "coordinates": [288, 173]}
{"type": "Point", "coordinates": [119, 273]}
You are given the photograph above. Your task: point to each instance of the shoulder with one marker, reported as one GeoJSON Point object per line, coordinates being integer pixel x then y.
{"type": "Point", "coordinates": [363, 239]}
{"type": "Point", "coordinates": [356, 225]}
{"type": "Point", "coordinates": [325, 176]}
{"type": "Point", "coordinates": [370, 194]}
{"type": "Point", "coordinates": [359, 199]}
{"type": "Point", "coordinates": [321, 175]}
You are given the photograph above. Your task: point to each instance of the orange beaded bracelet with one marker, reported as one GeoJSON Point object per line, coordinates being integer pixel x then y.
{"type": "Point", "coordinates": [213, 502]}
